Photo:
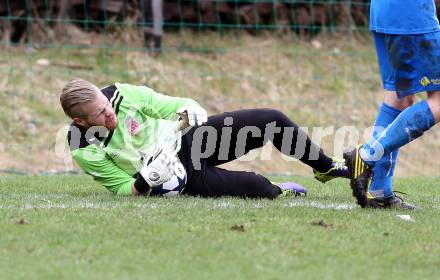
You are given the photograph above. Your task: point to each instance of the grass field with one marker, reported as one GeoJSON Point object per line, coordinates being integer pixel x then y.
{"type": "Point", "coordinates": [67, 227]}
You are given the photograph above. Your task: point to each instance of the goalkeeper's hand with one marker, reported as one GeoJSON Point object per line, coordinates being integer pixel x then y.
{"type": "Point", "coordinates": [158, 167]}
{"type": "Point", "coordinates": [196, 115]}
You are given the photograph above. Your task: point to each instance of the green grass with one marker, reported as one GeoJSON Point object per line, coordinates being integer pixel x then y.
{"type": "Point", "coordinates": [74, 229]}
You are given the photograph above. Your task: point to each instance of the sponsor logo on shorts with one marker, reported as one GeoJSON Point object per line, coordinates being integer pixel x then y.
{"type": "Point", "coordinates": [425, 81]}
{"type": "Point", "coordinates": [435, 81]}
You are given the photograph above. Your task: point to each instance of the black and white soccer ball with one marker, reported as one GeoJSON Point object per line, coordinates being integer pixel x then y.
{"type": "Point", "coordinates": [174, 186]}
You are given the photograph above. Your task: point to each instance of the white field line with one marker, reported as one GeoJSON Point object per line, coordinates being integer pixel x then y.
{"type": "Point", "coordinates": [215, 205]}
{"type": "Point", "coordinates": [320, 205]}
{"type": "Point", "coordinates": [34, 196]}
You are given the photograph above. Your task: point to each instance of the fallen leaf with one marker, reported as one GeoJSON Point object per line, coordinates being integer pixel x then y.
{"type": "Point", "coordinates": [22, 222]}
{"type": "Point", "coordinates": [321, 223]}
{"type": "Point", "coordinates": [238, 227]}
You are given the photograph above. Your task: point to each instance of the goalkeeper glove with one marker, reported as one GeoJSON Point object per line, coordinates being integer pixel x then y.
{"type": "Point", "coordinates": [196, 115]}
{"type": "Point", "coordinates": [158, 167]}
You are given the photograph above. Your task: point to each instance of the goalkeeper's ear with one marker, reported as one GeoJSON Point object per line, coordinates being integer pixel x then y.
{"type": "Point", "coordinates": [80, 122]}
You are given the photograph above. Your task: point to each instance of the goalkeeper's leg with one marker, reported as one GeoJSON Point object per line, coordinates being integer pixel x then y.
{"type": "Point", "coordinates": [217, 182]}
{"type": "Point", "coordinates": [272, 125]}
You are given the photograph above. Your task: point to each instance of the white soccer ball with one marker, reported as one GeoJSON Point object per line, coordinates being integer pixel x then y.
{"type": "Point", "coordinates": [174, 186]}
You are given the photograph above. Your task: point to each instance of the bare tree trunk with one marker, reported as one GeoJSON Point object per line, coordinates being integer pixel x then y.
{"type": "Point", "coordinates": [6, 33]}
{"type": "Point", "coordinates": [60, 25]}
{"type": "Point", "coordinates": [157, 17]}
{"type": "Point", "coordinates": [344, 18]}
{"type": "Point", "coordinates": [152, 11]}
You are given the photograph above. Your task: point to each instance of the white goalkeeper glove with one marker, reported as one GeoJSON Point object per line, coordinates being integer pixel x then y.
{"type": "Point", "coordinates": [158, 167]}
{"type": "Point", "coordinates": [196, 115]}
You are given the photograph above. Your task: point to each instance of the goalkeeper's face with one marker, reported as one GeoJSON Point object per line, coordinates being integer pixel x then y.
{"type": "Point", "coordinates": [98, 112]}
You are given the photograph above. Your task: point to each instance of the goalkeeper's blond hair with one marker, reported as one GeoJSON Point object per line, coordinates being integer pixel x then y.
{"type": "Point", "coordinates": [76, 93]}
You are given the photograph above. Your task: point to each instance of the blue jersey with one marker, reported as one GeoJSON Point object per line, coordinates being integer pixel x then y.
{"type": "Point", "coordinates": [403, 16]}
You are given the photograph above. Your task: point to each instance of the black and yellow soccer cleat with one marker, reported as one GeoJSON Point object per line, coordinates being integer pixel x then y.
{"type": "Point", "coordinates": [338, 170]}
{"type": "Point", "coordinates": [393, 201]}
{"type": "Point", "coordinates": [360, 174]}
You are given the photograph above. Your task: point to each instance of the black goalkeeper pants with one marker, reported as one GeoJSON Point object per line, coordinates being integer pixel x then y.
{"type": "Point", "coordinates": [221, 140]}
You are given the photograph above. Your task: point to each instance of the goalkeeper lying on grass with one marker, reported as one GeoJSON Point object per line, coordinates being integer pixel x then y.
{"type": "Point", "coordinates": [128, 139]}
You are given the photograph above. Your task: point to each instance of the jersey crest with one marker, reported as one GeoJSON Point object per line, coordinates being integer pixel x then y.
{"type": "Point", "coordinates": [132, 125]}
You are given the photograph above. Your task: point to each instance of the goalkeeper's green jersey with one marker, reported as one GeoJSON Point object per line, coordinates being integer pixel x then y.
{"type": "Point", "coordinates": [145, 118]}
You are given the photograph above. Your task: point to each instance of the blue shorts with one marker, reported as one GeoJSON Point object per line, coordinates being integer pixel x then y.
{"type": "Point", "coordinates": [409, 63]}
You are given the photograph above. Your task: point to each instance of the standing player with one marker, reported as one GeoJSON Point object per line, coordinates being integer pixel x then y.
{"type": "Point", "coordinates": [407, 38]}
{"type": "Point", "coordinates": [115, 127]}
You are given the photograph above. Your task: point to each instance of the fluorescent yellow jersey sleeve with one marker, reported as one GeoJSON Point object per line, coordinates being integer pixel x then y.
{"type": "Point", "coordinates": [154, 104]}
{"type": "Point", "coordinates": [145, 118]}
{"type": "Point", "coordinates": [103, 170]}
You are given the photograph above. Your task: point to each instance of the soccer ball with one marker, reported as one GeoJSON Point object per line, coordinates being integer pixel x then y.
{"type": "Point", "coordinates": [174, 186]}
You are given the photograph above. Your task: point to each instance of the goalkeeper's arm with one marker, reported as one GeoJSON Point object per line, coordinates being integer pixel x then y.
{"type": "Point", "coordinates": [156, 170]}
{"type": "Point", "coordinates": [93, 162]}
